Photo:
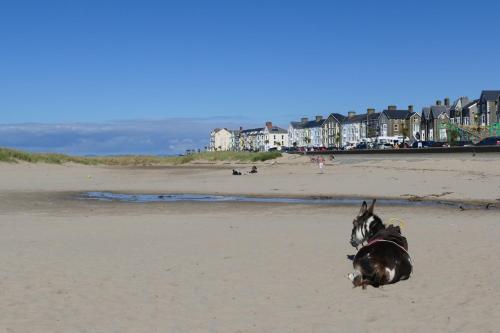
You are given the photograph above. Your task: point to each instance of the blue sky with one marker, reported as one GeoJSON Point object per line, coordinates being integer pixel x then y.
{"type": "Point", "coordinates": [235, 62]}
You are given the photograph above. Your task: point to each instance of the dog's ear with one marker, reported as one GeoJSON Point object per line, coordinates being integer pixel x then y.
{"type": "Point", "coordinates": [363, 208]}
{"type": "Point", "coordinates": [370, 210]}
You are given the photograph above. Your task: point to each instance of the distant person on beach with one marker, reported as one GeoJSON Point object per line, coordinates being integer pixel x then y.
{"type": "Point", "coordinates": [254, 169]}
{"type": "Point", "coordinates": [321, 163]}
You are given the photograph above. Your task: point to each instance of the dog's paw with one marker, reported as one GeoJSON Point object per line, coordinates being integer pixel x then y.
{"type": "Point", "coordinates": [351, 276]}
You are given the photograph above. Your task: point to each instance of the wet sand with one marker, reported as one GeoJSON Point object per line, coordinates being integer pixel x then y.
{"type": "Point", "coordinates": [71, 265]}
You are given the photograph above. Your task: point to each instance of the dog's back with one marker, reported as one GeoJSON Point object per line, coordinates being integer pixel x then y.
{"type": "Point", "coordinates": [384, 259]}
{"type": "Point", "coordinates": [382, 262]}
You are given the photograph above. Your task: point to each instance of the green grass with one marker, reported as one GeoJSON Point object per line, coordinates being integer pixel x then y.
{"type": "Point", "coordinates": [11, 155]}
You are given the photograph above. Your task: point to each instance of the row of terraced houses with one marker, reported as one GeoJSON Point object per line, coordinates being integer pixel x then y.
{"type": "Point", "coordinates": [433, 123]}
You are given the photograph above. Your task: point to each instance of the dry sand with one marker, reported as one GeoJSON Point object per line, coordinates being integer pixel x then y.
{"type": "Point", "coordinates": [71, 265]}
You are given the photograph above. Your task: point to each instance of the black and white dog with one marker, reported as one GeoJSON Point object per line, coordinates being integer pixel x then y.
{"type": "Point", "coordinates": [383, 258]}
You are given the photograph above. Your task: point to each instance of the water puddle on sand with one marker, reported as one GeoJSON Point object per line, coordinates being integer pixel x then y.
{"type": "Point", "coordinates": [145, 198]}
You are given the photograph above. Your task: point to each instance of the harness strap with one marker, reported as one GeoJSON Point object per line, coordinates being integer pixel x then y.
{"type": "Point", "coordinates": [389, 241]}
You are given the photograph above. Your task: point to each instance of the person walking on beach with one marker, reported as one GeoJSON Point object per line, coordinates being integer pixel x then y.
{"type": "Point", "coordinates": [321, 163]}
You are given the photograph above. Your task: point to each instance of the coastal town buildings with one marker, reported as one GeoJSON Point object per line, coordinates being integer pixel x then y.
{"type": "Point", "coordinates": [489, 107]}
{"type": "Point", "coordinates": [359, 128]}
{"type": "Point", "coordinates": [306, 133]}
{"type": "Point", "coordinates": [470, 113]}
{"type": "Point", "coordinates": [220, 140]}
{"type": "Point", "coordinates": [397, 122]}
{"type": "Point", "coordinates": [433, 120]}
{"type": "Point", "coordinates": [314, 132]}
{"type": "Point", "coordinates": [352, 129]}
{"type": "Point", "coordinates": [274, 137]}
{"type": "Point", "coordinates": [332, 130]}
{"type": "Point", "coordinates": [456, 116]}
{"type": "Point", "coordinates": [250, 139]}
{"type": "Point", "coordinates": [297, 134]}
{"type": "Point", "coordinates": [465, 119]}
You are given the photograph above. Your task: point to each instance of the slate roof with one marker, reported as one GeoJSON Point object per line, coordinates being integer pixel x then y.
{"type": "Point", "coordinates": [340, 117]}
{"type": "Point", "coordinates": [490, 95]}
{"type": "Point", "coordinates": [276, 129]}
{"type": "Point", "coordinates": [438, 109]}
{"type": "Point", "coordinates": [397, 114]}
{"type": "Point", "coordinates": [464, 100]}
{"type": "Point", "coordinates": [410, 114]}
{"type": "Point", "coordinates": [309, 124]}
{"type": "Point", "coordinates": [466, 108]}
{"type": "Point", "coordinates": [468, 105]}
{"type": "Point", "coordinates": [360, 118]}
{"type": "Point", "coordinates": [247, 131]}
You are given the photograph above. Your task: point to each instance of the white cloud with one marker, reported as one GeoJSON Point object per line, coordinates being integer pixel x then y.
{"type": "Point", "coordinates": [163, 136]}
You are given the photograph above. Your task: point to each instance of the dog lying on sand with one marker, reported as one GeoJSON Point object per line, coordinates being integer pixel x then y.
{"type": "Point", "coordinates": [383, 258]}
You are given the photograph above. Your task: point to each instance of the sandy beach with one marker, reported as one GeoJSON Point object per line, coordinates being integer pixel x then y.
{"type": "Point", "coordinates": [74, 265]}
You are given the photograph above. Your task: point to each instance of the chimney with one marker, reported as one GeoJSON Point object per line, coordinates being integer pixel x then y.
{"type": "Point", "coordinates": [392, 107]}
{"type": "Point", "coordinates": [319, 118]}
{"type": "Point", "coordinates": [303, 120]}
{"type": "Point", "coordinates": [370, 111]}
{"type": "Point", "coordinates": [410, 108]}
{"type": "Point", "coordinates": [438, 102]}
{"type": "Point", "coordinates": [447, 101]}
{"type": "Point", "coordinates": [351, 114]}
{"type": "Point", "coordinates": [269, 124]}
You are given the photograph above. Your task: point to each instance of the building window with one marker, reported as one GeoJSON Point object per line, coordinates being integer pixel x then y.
{"type": "Point", "coordinates": [396, 127]}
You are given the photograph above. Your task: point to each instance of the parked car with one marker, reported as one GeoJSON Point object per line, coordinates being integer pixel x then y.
{"type": "Point", "coordinates": [362, 145]}
{"type": "Point", "coordinates": [462, 144]}
{"type": "Point", "coordinates": [491, 141]}
{"type": "Point", "coordinates": [438, 144]}
{"type": "Point", "coordinates": [273, 149]}
{"type": "Point", "coordinates": [384, 146]}
{"type": "Point", "coordinates": [424, 144]}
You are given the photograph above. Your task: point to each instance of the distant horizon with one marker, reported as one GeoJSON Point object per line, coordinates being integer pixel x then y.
{"type": "Point", "coordinates": [161, 136]}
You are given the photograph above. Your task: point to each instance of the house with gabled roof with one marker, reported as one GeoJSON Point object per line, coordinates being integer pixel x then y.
{"type": "Point", "coordinates": [433, 121]}
{"type": "Point", "coordinates": [398, 122]}
{"type": "Point", "coordinates": [358, 128]}
{"type": "Point", "coordinates": [469, 113]}
{"type": "Point", "coordinates": [306, 133]}
{"type": "Point", "coordinates": [489, 107]}
{"type": "Point", "coordinates": [274, 137]}
{"type": "Point", "coordinates": [250, 139]}
{"type": "Point", "coordinates": [220, 139]}
{"type": "Point", "coordinates": [456, 110]}
{"type": "Point", "coordinates": [332, 130]}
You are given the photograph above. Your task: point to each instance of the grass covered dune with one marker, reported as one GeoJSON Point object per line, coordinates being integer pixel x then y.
{"type": "Point", "coordinates": [13, 156]}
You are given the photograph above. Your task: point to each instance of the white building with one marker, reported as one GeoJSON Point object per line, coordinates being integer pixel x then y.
{"type": "Point", "coordinates": [306, 133]}
{"type": "Point", "coordinates": [221, 139]}
{"type": "Point", "coordinates": [251, 139]}
{"type": "Point", "coordinates": [274, 137]}
{"type": "Point", "coordinates": [353, 129]}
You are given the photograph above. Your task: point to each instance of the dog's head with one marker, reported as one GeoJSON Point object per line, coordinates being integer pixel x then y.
{"type": "Point", "coordinates": [365, 225]}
